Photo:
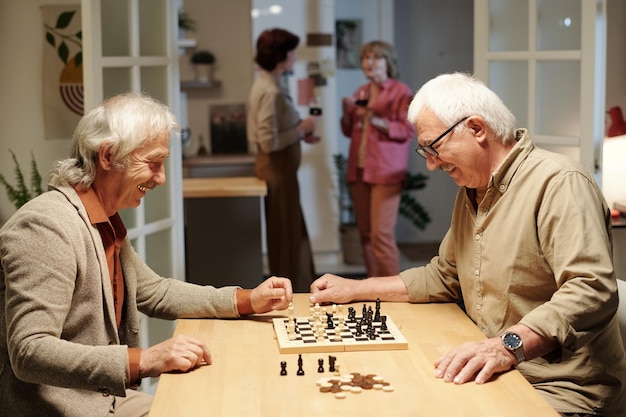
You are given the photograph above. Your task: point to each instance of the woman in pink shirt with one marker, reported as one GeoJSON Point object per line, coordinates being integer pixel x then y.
{"type": "Point", "coordinates": [375, 119]}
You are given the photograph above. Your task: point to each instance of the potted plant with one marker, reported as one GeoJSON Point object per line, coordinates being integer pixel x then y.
{"type": "Point", "coordinates": [185, 24]}
{"type": "Point", "coordinates": [409, 208]}
{"type": "Point", "coordinates": [20, 194]}
{"type": "Point", "coordinates": [203, 61]}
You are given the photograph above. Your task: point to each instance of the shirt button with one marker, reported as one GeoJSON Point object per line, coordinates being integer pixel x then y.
{"type": "Point", "coordinates": [502, 187]}
{"type": "Point", "coordinates": [477, 306]}
{"type": "Point", "coordinates": [477, 237]}
{"type": "Point", "coordinates": [476, 272]}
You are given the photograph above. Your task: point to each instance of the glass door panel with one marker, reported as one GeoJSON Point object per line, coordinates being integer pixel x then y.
{"type": "Point", "coordinates": [159, 254]}
{"type": "Point", "coordinates": [115, 28]}
{"type": "Point", "coordinates": [502, 14]}
{"type": "Point", "coordinates": [509, 79]}
{"type": "Point", "coordinates": [155, 199]}
{"type": "Point", "coordinates": [115, 80]}
{"type": "Point", "coordinates": [152, 15]}
{"type": "Point", "coordinates": [152, 81]}
{"type": "Point", "coordinates": [559, 25]}
{"type": "Point", "coordinates": [558, 98]}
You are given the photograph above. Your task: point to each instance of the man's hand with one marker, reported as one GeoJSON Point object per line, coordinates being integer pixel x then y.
{"type": "Point", "coordinates": [332, 288]}
{"type": "Point", "coordinates": [180, 353]}
{"type": "Point", "coordinates": [477, 361]}
{"type": "Point", "coordinates": [272, 294]}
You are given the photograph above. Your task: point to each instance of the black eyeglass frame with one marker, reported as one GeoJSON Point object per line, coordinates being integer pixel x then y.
{"type": "Point", "coordinates": [424, 151]}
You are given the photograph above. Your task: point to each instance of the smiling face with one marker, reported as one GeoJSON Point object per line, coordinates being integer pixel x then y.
{"type": "Point", "coordinates": [460, 151]}
{"type": "Point", "coordinates": [124, 187]}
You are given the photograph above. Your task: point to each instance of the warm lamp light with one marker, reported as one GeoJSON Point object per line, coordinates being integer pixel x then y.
{"type": "Point", "coordinates": [618, 125]}
{"type": "Point", "coordinates": [614, 170]}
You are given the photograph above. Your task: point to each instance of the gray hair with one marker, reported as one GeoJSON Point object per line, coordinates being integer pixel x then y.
{"type": "Point", "coordinates": [450, 97]}
{"type": "Point", "coordinates": [126, 122]}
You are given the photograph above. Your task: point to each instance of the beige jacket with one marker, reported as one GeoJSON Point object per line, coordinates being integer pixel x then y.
{"type": "Point", "coordinates": [60, 351]}
{"type": "Point", "coordinates": [538, 252]}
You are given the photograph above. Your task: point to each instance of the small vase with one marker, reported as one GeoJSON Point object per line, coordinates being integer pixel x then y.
{"type": "Point", "coordinates": [203, 73]}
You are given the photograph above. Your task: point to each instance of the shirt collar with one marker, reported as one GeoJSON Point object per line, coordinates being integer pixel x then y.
{"type": "Point", "coordinates": [96, 212]}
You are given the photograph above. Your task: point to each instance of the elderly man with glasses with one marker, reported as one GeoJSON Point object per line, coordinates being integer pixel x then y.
{"type": "Point", "coordinates": [528, 253]}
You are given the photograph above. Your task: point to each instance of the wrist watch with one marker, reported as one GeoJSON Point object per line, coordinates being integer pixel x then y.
{"type": "Point", "coordinates": [513, 342]}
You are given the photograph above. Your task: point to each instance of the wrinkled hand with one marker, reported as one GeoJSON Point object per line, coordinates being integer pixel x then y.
{"type": "Point", "coordinates": [331, 288]}
{"type": "Point", "coordinates": [477, 361]}
{"type": "Point", "coordinates": [180, 353]}
{"type": "Point", "coordinates": [274, 293]}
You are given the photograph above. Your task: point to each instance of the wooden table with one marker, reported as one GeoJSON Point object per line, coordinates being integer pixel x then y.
{"type": "Point", "coordinates": [223, 216]}
{"type": "Point", "coordinates": [244, 379]}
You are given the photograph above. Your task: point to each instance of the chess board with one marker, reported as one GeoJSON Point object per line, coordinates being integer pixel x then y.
{"type": "Point", "coordinates": [305, 341]}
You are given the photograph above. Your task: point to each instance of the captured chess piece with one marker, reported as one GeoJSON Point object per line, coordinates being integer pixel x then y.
{"type": "Point", "coordinates": [300, 370]}
{"type": "Point", "coordinates": [283, 368]}
{"type": "Point", "coordinates": [320, 367]}
{"type": "Point", "coordinates": [331, 363]}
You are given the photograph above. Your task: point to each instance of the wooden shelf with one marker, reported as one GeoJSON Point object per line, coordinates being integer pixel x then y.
{"type": "Point", "coordinates": [187, 43]}
{"type": "Point", "coordinates": [196, 85]}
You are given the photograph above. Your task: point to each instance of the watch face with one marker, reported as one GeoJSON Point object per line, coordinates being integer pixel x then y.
{"type": "Point", "coordinates": [512, 341]}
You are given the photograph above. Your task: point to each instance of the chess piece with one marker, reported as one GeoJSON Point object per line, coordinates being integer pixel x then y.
{"type": "Point", "coordinates": [283, 368]}
{"type": "Point", "coordinates": [329, 321]}
{"type": "Point", "coordinates": [300, 370]}
{"type": "Point", "coordinates": [377, 312]}
{"type": "Point", "coordinates": [320, 367]}
{"type": "Point", "coordinates": [331, 363]}
{"type": "Point", "coordinates": [383, 325]}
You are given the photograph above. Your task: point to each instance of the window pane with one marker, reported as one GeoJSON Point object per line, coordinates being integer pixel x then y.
{"type": "Point", "coordinates": [158, 253]}
{"type": "Point", "coordinates": [152, 28]}
{"type": "Point", "coordinates": [558, 98]}
{"type": "Point", "coordinates": [509, 80]}
{"type": "Point", "coordinates": [115, 28]}
{"type": "Point", "coordinates": [508, 21]}
{"type": "Point", "coordinates": [558, 25]}
{"type": "Point", "coordinates": [115, 81]}
{"type": "Point", "coordinates": [157, 203]}
{"type": "Point", "coordinates": [154, 82]}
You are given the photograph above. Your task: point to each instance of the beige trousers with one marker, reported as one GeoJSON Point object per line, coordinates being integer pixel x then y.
{"type": "Point", "coordinates": [135, 404]}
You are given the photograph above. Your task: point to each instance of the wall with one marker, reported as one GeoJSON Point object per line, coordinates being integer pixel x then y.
{"type": "Point", "coordinates": [21, 110]}
{"type": "Point", "coordinates": [432, 36]}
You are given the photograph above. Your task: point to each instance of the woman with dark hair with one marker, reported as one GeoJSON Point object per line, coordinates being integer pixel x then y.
{"type": "Point", "coordinates": [275, 127]}
{"type": "Point", "coordinates": [374, 118]}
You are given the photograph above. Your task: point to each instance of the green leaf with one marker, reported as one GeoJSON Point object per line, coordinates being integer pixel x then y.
{"type": "Point", "coordinates": [20, 194]}
{"type": "Point", "coordinates": [64, 19]}
{"type": "Point", "coordinates": [78, 59]}
{"type": "Point", "coordinates": [64, 52]}
{"type": "Point", "coordinates": [50, 39]}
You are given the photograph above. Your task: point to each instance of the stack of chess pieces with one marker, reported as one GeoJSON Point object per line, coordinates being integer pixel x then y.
{"type": "Point", "coordinates": [319, 315]}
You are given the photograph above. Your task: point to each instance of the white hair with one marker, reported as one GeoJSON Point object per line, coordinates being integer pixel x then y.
{"type": "Point", "coordinates": [450, 97]}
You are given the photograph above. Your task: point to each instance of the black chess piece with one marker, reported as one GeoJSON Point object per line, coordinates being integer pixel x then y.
{"type": "Point", "coordinates": [329, 321]}
{"type": "Point", "coordinates": [331, 363]}
{"type": "Point", "coordinates": [377, 312]}
{"type": "Point", "coordinates": [383, 325]}
{"type": "Point", "coordinates": [351, 314]}
{"type": "Point", "coordinates": [320, 367]}
{"type": "Point", "coordinates": [300, 370]}
{"type": "Point", "coordinates": [283, 368]}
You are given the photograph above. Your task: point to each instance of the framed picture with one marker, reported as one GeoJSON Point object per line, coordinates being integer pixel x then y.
{"type": "Point", "coordinates": [349, 40]}
{"type": "Point", "coordinates": [227, 128]}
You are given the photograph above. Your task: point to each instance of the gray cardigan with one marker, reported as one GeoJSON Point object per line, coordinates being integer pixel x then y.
{"type": "Point", "coordinates": [60, 351]}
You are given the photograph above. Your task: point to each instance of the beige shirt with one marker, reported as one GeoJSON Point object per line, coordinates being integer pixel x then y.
{"type": "Point", "coordinates": [538, 251]}
{"type": "Point", "coordinates": [272, 118]}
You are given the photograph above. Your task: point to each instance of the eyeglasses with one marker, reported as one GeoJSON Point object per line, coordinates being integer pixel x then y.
{"type": "Point", "coordinates": [424, 151]}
